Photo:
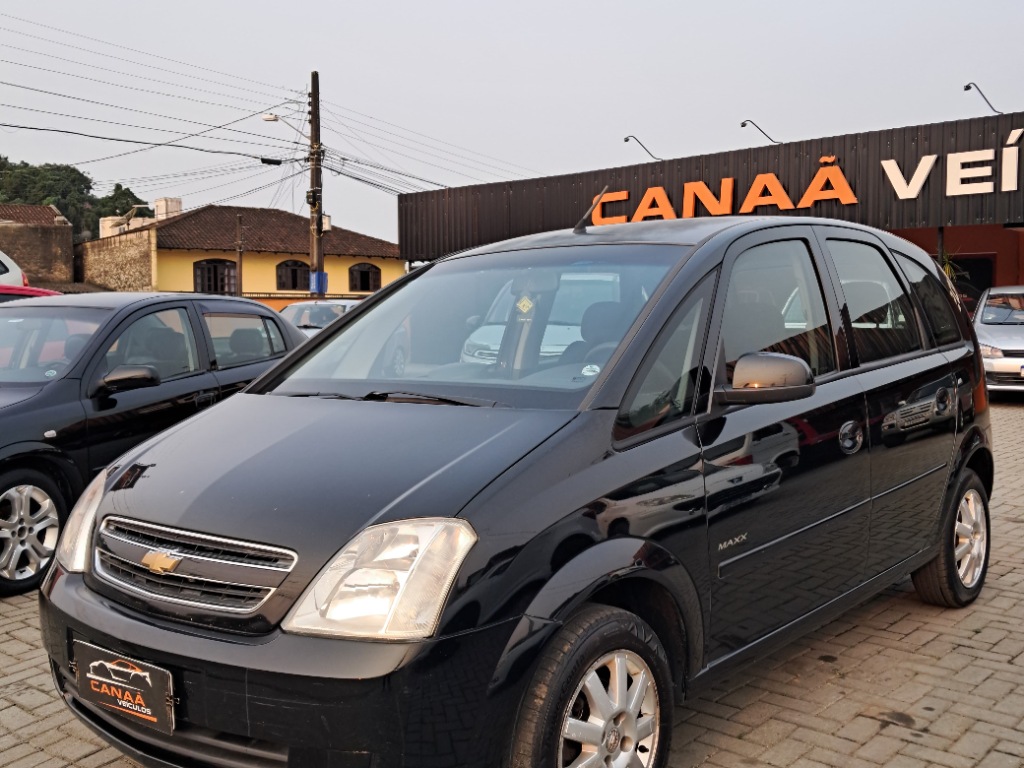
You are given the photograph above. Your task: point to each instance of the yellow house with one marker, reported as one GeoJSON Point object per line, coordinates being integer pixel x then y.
{"type": "Point", "coordinates": [198, 251]}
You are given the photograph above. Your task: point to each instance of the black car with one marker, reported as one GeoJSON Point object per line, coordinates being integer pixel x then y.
{"type": "Point", "coordinates": [83, 378]}
{"type": "Point", "coordinates": [524, 562]}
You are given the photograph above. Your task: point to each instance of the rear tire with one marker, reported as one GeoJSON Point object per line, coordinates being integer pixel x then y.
{"type": "Point", "coordinates": [955, 577]}
{"type": "Point", "coordinates": [602, 692]}
{"type": "Point", "coordinates": [32, 512]}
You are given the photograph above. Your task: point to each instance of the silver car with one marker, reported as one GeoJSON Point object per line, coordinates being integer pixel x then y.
{"type": "Point", "coordinates": [999, 323]}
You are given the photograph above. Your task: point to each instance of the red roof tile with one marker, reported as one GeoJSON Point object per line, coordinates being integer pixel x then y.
{"type": "Point", "coordinates": [28, 214]}
{"type": "Point", "coordinates": [212, 228]}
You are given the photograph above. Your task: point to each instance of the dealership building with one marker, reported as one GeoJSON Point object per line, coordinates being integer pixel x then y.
{"type": "Point", "coordinates": [952, 188]}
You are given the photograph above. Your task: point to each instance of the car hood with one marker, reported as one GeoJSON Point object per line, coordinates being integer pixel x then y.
{"type": "Point", "coordinates": [13, 395]}
{"type": "Point", "coordinates": [309, 473]}
{"type": "Point", "coordinates": [1001, 336]}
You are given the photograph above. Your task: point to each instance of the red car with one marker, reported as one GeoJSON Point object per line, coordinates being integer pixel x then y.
{"type": "Point", "coordinates": [12, 292]}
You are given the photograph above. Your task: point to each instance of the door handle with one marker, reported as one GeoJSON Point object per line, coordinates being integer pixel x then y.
{"type": "Point", "coordinates": [205, 398]}
{"type": "Point", "coordinates": [851, 437]}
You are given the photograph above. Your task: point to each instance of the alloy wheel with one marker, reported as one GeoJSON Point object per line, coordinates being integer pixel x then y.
{"type": "Point", "coordinates": [613, 718]}
{"type": "Point", "coordinates": [29, 526]}
{"type": "Point", "coordinates": [970, 538]}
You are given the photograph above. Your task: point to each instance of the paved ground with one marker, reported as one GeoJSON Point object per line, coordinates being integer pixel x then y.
{"type": "Point", "coordinates": [893, 683]}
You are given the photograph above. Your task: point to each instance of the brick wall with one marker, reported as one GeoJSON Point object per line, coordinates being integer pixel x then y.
{"type": "Point", "coordinates": [119, 263]}
{"type": "Point", "coordinates": [43, 252]}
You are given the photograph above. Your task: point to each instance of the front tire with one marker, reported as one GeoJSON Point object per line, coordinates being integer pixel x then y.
{"type": "Point", "coordinates": [957, 574]}
{"type": "Point", "coordinates": [32, 510]}
{"type": "Point", "coordinates": [601, 697]}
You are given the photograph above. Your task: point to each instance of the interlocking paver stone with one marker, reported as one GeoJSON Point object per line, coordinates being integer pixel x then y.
{"type": "Point", "coordinates": [893, 683]}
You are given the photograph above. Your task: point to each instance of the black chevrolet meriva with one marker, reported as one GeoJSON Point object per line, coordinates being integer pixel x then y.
{"type": "Point", "coordinates": [611, 465]}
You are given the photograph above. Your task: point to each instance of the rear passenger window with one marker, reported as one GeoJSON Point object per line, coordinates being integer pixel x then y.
{"type": "Point", "coordinates": [240, 339]}
{"type": "Point", "coordinates": [882, 314]}
{"type": "Point", "coordinates": [933, 298]}
{"type": "Point", "coordinates": [274, 334]}
{"type": "Point", "coordinates": [774, 304]}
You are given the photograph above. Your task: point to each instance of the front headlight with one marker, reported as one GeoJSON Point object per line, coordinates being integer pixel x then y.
{"type": "Point", "coordinates": [389, 583]}
{"type": "Point", "coordinates": [990, 351]}
{"type": "Point", "coordinates": [73, 548]}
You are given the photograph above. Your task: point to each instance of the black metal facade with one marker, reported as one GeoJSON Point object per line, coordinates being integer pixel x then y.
{"type": "Point", "coordinates": [433, 224]}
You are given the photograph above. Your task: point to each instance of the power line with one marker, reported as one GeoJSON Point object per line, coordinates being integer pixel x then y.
{"type": "Point", "coordinates": [249, 192]}
{"type": "Point", "coordinates": [121, 86]}
{"type": "Point", "coordinates": [174, 141]}
{"type": "Point", "coordinates": [426, 136]}
{"type": "Point", "coordinates": [144, 112]}
{"type": "Point", "coordinates": [473, 164]}
{"type": "Point", "coordinates": [135, 141]}
{"type": "Point", "coordinates": [141, 127]}
{"type": "Point", "coordinates": [144, 53]}
{"type": "Point", "coordinates": [91, 52]}
{"type": "Point", "coordinates": [126, 74]}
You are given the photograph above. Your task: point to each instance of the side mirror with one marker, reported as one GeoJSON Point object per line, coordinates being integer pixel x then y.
{"type": "Point", "coordinates": [128, 377]}
{"type": "Point", "coordinates": [767, 377]}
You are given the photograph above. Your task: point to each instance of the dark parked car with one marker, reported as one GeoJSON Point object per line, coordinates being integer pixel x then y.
{"type": "Point", "coordinates": [84, 378]}
{"type": "Point", "coordinates": [524, 562]}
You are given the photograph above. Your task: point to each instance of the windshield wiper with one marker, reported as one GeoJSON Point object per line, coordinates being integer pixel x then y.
{"type": "Point", "coordinates": [420, 397]}
{"type": "Point", "coordinates": [321, 395]}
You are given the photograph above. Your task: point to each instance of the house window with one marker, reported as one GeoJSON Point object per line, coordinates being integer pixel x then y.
{"type": "Point", "coordinates": [215, 276]}
{"type": "Point", "coordinates": [364, 277]}
{"type": "Point", "coordinates": [293, 275]}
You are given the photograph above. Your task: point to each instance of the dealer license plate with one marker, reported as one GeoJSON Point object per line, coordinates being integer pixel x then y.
{"type": "Point", "coordinates": [141, 692]}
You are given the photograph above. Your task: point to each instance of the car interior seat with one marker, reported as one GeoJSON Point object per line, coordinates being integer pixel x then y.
{"type": "Point", "coordinates": [74, 344]}
{"type": "Point", "coordinates": [603, 323]}
{"type": "Point", "coordinates": [246, 344]}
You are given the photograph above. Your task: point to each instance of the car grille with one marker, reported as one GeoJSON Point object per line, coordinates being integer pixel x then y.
{"type": "Point", "coordinates": [187, 568]}
{"type": "Point", "coordinates": [1004, 378]}
{"type": "Point", "coordinates": [914, 415]}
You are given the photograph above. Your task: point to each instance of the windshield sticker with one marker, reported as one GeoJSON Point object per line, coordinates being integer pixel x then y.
{"type": "Point", "coordinates": [524, 305]}
{"type": "Point", "coordinates": [50, 373]}
{"type": "Point", "coordinates": [591, 370]}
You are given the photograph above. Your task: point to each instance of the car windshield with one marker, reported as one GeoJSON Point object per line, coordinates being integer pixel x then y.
{"type": "Point", "coordinates": [38, 343]}
{"type": "Point", "coordinates": [524, 329]}
{"type": "Point", "coordinates": [1003, 309]}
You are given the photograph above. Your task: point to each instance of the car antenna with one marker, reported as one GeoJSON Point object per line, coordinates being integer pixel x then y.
{"type": "Point", "coordinates": [581, 227]}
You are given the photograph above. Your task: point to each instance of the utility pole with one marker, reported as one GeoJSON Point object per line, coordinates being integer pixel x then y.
{"type": "Point", "coordinates": [238, 250]}
{"type": "Point", "coordinates": [317, 276]}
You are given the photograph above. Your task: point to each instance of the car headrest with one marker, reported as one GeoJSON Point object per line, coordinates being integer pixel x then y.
{"type": "Point", "coordinates": [74, 344]}
{"type": "Point", "coordinates": [867, 301]}
{"type": "Point", "coordinates": [246, 341]}
{"type": "Point", "coordinates": [601, 322]}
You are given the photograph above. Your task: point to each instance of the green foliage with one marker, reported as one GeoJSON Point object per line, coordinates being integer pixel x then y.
{"type": "Point", "coordinates": [67, 188]}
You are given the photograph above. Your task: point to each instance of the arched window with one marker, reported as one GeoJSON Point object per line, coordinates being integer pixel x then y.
{"type": "Point", "coordinates": [215, 276]}
{"type": "Point", "coordinates": [364, 277]}
{"type": "Point", "coordinates": [293, 275]}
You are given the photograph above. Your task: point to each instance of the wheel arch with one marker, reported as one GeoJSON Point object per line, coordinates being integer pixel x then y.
{"type": "Point", "coordinates": [51, 462]}
{"type": "Point", "coordinates": [633, 574]}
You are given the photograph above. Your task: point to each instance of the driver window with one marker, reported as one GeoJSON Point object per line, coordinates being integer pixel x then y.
{"type": "Point", "coordinates": [774, 304]}
{"type": "Point", "coordinates": [665, 389]}
{"type": "Point", "coordinates": [163, 340]}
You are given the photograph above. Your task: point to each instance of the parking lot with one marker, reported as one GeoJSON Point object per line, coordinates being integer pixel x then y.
{"type": "Point", "coordinates": [893, 683]}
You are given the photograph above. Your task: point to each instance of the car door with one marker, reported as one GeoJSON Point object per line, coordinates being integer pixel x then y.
{"type": "Point", "coordinates": [242, 343]}
{"type": "Point", "coordinates": [911, 396]}
{"type": "Point", "coordinates": [164, 338]}
{"type": "Point", "coordinates": [787, 483]}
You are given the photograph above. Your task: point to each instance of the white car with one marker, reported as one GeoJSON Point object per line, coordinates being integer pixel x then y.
{"type": "Point", "coordinates": [311, 317]}
{"type": "Point", "coordinates": [10, 273]}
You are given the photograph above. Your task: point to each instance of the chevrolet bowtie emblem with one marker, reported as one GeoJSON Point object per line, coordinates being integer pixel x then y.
{"type": "Point", "coordinates": [160, 562]}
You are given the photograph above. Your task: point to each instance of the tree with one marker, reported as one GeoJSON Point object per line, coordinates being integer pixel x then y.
{"type": "Point", "coordinates": [67, 188]}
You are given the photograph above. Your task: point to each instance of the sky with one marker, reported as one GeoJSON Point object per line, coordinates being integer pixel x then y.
{"type": "Point", "coordinates": [418, 95]}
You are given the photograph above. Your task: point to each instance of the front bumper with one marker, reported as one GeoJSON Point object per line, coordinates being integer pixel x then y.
{"type": "Point", "coordinates": [1004, 373]}
{"type": "Point", "coordinates": [287, 700]}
